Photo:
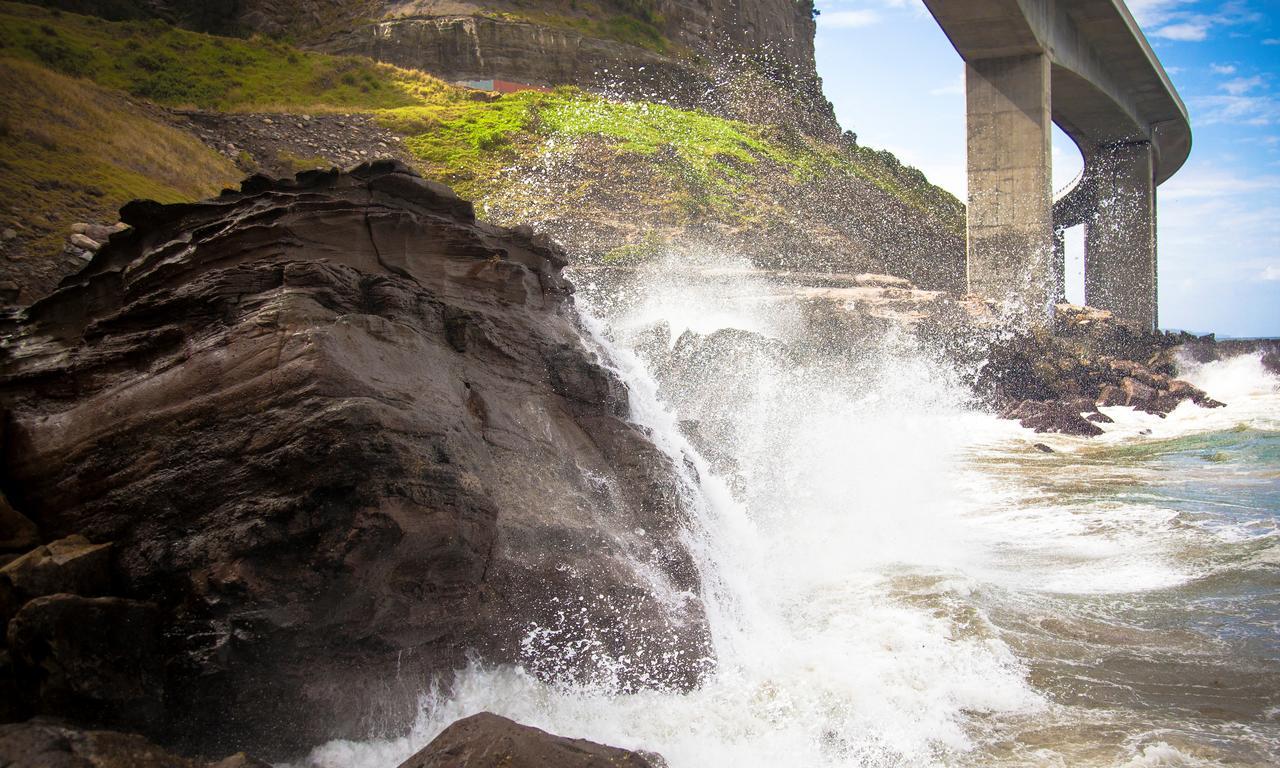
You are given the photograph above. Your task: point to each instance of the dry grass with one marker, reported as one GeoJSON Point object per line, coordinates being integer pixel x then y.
{"type": "Point", "coordinates": [76, 152]}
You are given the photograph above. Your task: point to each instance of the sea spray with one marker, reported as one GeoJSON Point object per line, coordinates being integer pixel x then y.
{"type": "Point", "coordinates": [837, 610]}
{"type": "Point", "coordinates": [896, 578]}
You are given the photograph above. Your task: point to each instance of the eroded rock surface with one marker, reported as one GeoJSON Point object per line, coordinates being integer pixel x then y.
{"type": "Point", "coordinates": [37, 744]}
{"type": "Point", "coordinates": [339, 433]}
{"type": "Point", "coordinates": [489, 741]}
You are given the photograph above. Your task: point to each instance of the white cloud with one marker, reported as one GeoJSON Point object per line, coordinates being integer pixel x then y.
{"type": "Point", "coordinates": [1235, 109]}
{"type": "Point", "coordinates": [1223, 69]}
{"type": "Point", "coordinates": [1242, 85]}
{"type": "Point", "coordinates": [1271, 41]}
{"type": "Point", "coordinates": [1271, 273]}
{"type": "Point", "coordinates": [1188, 20]}
{"type": "Point", "coordinates": [1187, 31]}
{"type": "Point", "coordinates": [1151, 12]}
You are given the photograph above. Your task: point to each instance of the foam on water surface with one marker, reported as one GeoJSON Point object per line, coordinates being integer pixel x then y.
{"type": "Point", "coordinates": [900, 580]}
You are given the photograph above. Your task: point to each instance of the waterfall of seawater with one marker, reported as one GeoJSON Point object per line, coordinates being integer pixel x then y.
{"type": "Point", "coordinates": [897, 580]}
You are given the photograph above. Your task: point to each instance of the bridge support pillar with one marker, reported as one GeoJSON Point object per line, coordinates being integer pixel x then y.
{"type": "Point", "coordinates": [1010, 219]}
{"type": "Point", "coordinates": [1120, 236]}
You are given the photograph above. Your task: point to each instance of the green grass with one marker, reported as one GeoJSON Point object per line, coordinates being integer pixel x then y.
{"type": "Point", "coordinates": [170, 66]}
{"type": "Point", "coordinates": [77, 152]}
{"type": "Point", "coordinates": [712, 162]}
{"type": "Point", "coordinates": [680, 164]}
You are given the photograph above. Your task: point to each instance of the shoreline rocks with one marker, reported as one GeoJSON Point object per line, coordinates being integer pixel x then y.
{"type": "Point", "coordinates": [489, 741]}
{"type": "Point", "coordinates": [342, 438]}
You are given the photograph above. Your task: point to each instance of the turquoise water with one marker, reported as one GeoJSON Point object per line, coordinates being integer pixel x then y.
{"type": "Point", "coordinates": [1164, 650]}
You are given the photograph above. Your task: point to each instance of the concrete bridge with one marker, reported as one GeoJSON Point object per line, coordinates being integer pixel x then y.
{"type": "Point", "coordinates": [1085, 65]}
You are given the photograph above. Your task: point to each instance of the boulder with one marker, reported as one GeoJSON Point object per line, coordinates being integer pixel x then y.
{"type": "Point", "coordinates": [72, 565]}
{"type": "Point", "coordinates": [489, 741]}
{"type": "Point", "coordinates": [1052, 416]}
{"type": "Point", "coordinates": [1136, 394]}
{"type": "Point", "coordinates": [344, 435]}
{"type": "Point", "coordinates": [17, 533]}
{"type": "Point", "coordinates": [12, 702]}
{"type": "Point", "coordinates": [92, 659]}
{"type": "Point", "coordinates": [38, 744]}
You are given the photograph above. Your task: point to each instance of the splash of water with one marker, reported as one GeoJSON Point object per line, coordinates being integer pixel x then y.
{"type": "Point", "coordinates": [893, 578]}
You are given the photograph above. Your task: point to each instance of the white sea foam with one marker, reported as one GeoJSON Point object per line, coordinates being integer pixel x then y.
{"type": "Point", "coordinates": [839, 579]}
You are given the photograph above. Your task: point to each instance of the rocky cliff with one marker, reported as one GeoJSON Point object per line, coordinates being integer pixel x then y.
{"type": "Point", "coordinates": [338, 434]}
{"type": "Point", "coordinates": [109, 111]}
{"type": "Point", "coordinates": [751, 59]}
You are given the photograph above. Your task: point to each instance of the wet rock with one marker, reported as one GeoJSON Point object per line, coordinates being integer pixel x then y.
{"type": "Point", "coordinates": [92, 659]}
{"type": "Point", "coordinates": [17, 533]}
{"type": "Point", "coordinates": [489, 741]}
{"type": "Point", "coordinates": [240, 760]}
{"type": "Point", "coordinates": [1079, 369]}
{"type": "Point", "coordinates": [340, 432]}
{"type": "Point", "coordinates": [1051, 416]}
{"type": "Point", "coordinates": [72, 565]}
{"type": "Point", "coordinates": [1135, 393]}
{"type": "Point", "coordinates": [580, 379]}
{"type": "Point", "coordinates": [39, 744]}
{"type": "Point", "coordinates": [12, 702]}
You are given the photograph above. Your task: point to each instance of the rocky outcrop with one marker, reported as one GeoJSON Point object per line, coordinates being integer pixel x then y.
{"type": "Point", "coordinates": [38, 744]}
{"type": "Point", "coordinates": [489, 741]}
{"type": "Point", "coordinates": [751, 59]}
{"type": "Point", "coordinates": [90, 659]}
{"type": "Point", "coordinates": [1055, 382]}
{"type": "Point", "coordinates": [339, 434]}
{"type": "Point", "coordinates": [71, 565]}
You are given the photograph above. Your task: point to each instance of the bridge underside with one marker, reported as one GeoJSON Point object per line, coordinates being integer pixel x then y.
{"type": "Point", "coordinates": [1084, 66]}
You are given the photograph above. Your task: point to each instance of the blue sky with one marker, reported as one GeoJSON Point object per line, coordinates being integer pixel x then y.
{"type": "Point", "coordinates": [896, 81]}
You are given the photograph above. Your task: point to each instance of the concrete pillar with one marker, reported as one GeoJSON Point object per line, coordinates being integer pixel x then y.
{"type": "Point", "coordinates": [1120, 236]}
{"type": "Point", "coordinates": [1010, 217]}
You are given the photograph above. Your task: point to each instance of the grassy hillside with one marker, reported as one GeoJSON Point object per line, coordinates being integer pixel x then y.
{"type": "Point", "coordinates": [171, 66]}
{"type": "Point", "coordinates": [82, 91]}
{"type": "Point", "coordinates": [73, 151]}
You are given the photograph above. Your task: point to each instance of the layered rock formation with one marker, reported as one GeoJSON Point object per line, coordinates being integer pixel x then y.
{"type": "Point", "coordinates": [337, 434]}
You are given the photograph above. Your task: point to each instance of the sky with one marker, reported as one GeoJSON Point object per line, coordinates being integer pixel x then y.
{"type": "Point", "coordinates": [896, 81]}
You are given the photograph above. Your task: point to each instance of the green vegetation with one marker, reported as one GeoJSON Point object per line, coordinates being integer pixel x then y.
{"type": "Point", "coordinates": [681, 165]}
{"type": "Point", "coordinates": [715, 160]}
{"type": "Point", "coordinates": [170, 66]}
{"type": "Point", "coordinates": [77, 151]}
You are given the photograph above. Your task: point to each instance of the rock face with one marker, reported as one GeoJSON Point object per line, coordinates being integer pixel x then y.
{"type": "Point", "coordinates": [489, 741]}
{"type": "Point", "coordinates": [520, 43]}
{"type": "Point", "coordinates": [1055, 383]}
{"type": "Point", "coordinates": [38, 744]}
{"type": "Point", "coordinates": [691, 52]}
{"type": "Point", "coordinates": [93, 659]}
{"type": "Point", "coordinates": [339, 433]}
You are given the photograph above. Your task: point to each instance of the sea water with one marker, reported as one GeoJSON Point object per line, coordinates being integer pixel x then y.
{"type": "Point", "coordinates": [899, 579]}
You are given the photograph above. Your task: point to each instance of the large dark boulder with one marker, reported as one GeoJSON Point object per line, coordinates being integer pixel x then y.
{"type": "Point", "coordinates": [342, 435]}
{"type": "Point", "coordinates": [94, 659]}
{"type": "Point", "coordinates": [37, 744]}
{"type": "Point", "coordinates": [489, 741]}
{"type": "Point", "coordinates": [72, 565]}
